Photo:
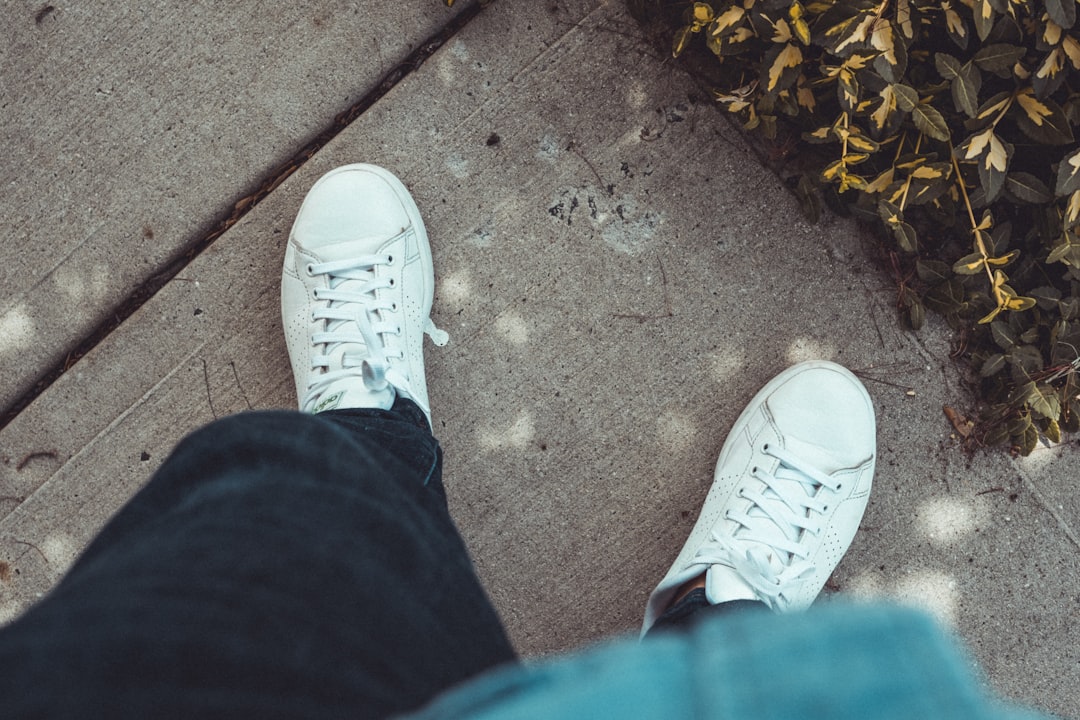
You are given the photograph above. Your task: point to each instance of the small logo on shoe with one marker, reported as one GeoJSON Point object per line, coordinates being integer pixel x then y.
{"type": "Point", "coordinates": [328, 403]}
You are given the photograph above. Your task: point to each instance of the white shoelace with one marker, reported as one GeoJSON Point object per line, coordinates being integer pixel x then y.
{"type": "Point", "coordinates": [362, 332]}
{"type": "Point", "coordinates": [766, 549]}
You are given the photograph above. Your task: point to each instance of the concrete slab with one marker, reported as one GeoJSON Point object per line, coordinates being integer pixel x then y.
{"type": "Point", "coordinates": [131, 129]}
{"type": "Point", "coordinates": [618, 276]}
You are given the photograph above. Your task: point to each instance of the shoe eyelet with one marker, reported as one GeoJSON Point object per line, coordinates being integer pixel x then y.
{"type": "Point", "coordinates": [390, 260]}
{"type": "Point", "coordinates": [391, 282]}
{"type": "Point", "coordinates": [315, 293]}
{"type": "Point", "coordinates": [393, 307]}
{"type": "Point", "coordinates": [765, 447]}
{"type": "Point", "coordinates": [839, 487]}
{"type": "Point", "coordinates": [310, 269]}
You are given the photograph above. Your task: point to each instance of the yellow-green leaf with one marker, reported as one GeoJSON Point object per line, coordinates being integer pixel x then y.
{"type": "Point", "coordinates": [862, 143]}
{"type": "Point", "coordinates": [703, 15]}
{"type": "Point", "coordinates": [1053, 431]}
{"type": "Point", "coordinates": [1068, 178]}
{"type": "Point", "coordinates": [997, 158]}
{"type": "Point", "coordinates": [1072, 210]}
{"type": "Point", "coordinates": [969, 264]}
{"type": "Point", "coordinates": [1072, 50]}
{"type": "Point", "coordinates": [1035, 110]}
{"type": "Point", "coordinates": [1003, 260]}
{"type": "Point", "coordinates": [782, 32]}
{"type": "Point", "coordinates": [978, 143]}
{"type": "Point", "coordinates": [882, 40]}
{"type": "Point", "coordinates": [832, 170]}
{"type": "Point", "coordinates": [682, 37]}
{"type": "Point", "coordinates": [790, 57]}
{"type": "Point", "coordinates": [726, 20]}
{"type": "Point", "coordinates": [928, 172]}
{"type": "Point", "coordinates": [1052, 65]}
{"type": "Point", "coordinates": [953, 23]}
{"type": "Point", "coordinates": [880, 117]}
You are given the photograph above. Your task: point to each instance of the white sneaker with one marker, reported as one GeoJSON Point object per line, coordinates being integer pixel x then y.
{"type": "Point", "coordinates": [356, 293]}
{"type": "Point", "coordinates": [789, 491]}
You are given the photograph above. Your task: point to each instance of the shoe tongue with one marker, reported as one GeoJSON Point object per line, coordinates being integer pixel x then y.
{"type": "Point", "coordinates": [352, 394]}
{"type": "Point", "coordinates": [345, 248]}
{"type": "Point", "coordinates": [723, 584]}
{"type": "Point", "coordinates": [814, 456]}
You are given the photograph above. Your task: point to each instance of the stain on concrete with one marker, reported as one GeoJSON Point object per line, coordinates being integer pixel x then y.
{"type": "Point", "coordinates": [619, 221]}
{"type": "Point", "coordinates": [458, 166]}
{"type": "Point", "coordinates": [548, 148]}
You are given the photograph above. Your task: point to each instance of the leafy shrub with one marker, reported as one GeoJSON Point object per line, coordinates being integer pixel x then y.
{"type": "Point", "coordinates": [947, 123]}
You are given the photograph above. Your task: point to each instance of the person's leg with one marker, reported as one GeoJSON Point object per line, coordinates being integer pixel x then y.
{"type": "Point", "coordinates": [790, 488]}
{"type": "Point", "coordinates": [278, 564]}
{"type": "Point", "coordinates": [282, 564]}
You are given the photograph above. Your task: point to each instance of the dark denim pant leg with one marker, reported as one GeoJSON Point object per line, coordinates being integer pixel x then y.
{"type": "Point", "coordinates": [277, 565]}
{"type": "Point", "coordinates": [692, 607]}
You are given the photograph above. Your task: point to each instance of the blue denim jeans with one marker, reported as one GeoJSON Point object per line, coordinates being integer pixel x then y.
{"type": "Point", "coordinates": [277, 565]}
{"type": "Point", "coordinates": [296, 566]}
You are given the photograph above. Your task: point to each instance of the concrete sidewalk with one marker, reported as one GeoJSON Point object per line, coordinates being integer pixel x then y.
{"type": "Point", "coordinates": [618, 276]}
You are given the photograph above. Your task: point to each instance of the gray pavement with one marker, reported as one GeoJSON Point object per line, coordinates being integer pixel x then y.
{"type": "Point", "coordinates": [130, 129]}
{"type": "Point", "coordinates": [618, 276]}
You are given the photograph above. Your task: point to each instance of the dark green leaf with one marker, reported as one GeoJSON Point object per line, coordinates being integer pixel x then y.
{"type": "Point", "coordinates": [906, 97]}
{"type": "Point", "coordinates": [930, 122]}
{"type": "Point", "coordinates": [1047, 297]}
{"type": "Point", "coordinates": [932, 272]}
{"type": "Point", "coordinates": [997, 434]}
{"type": "Point", "coordinates": [1070, 416]}
{"type": "Point", "coordinates": [1062, 12]}
{"type": "Point", "coordinates": [1026, 443]}
{"type": "Point", "coordinates": [947, 298]}
{"type": "Point", "coordinates": [1004, 336]}
{"type": "Point", "coordinates": [1026, 359]}
{"type": "Point", "coordinates": [947, 65]}
{"type": "Point", "coordinates": [965, 89]}
{"type": "Point", "coordinates": [998, 57]}
{"type": "Point", "coordinates": [993, 365]}
{"type": "Point", "coordinates": [983, 15]}
{"type": "Point", "coordinates": [1052, 129]}
{"type": "Point", "coordinates": [905, 237]}
{"type": "Point", "coordinates": [1052, 431]}
{"type": "Point", "coordinates": [990, 177]}
{"type": "Point", "coordinates": [1028, 188]}
{"type": "Point", "coordinates": [1021, 395]}
{"type": "Point", "coordinates": [916, 315]}
{"type": "Point", "coordinates": [1068, 177]}
{"type": "Point", "coordinates": [1070, 308]}
{"type": "Point", "coordinates": [1046, 403]}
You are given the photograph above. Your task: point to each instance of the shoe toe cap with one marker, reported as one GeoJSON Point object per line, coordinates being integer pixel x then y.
{"type": "Point", "coordinates": [351, 203]}
{"type": "Point", "coordinates": [826, 407]}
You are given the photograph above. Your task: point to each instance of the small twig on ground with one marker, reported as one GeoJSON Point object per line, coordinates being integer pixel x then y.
{"type": "Point", "coordinates": [238, 385]}
{"type": "Point", "coordinates": [608, 188]}
{"type": "Point", "coordinates": [206, 378]}
{"type": "Point", "coordinates": [51, 454]}
{"type": "Point", "coordinates": [30, 544]}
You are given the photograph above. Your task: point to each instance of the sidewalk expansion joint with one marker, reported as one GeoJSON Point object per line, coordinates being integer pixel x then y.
{"type": "Point", "coordinates": [150, 287]}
